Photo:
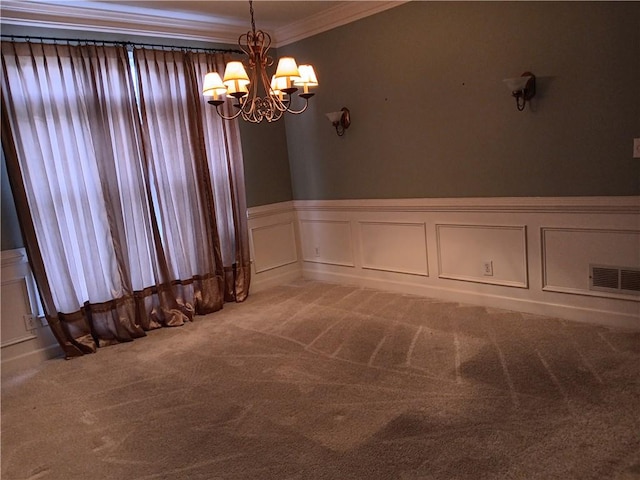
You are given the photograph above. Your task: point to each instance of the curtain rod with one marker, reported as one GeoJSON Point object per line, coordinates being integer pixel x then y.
{"type": "Point", "coordinates": [119, 42]}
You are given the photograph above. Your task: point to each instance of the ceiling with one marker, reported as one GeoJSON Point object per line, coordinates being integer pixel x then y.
{"type": "Point", "coordinates": [267, 14]}
{"type": "Point", "coordinates": [212, 21]}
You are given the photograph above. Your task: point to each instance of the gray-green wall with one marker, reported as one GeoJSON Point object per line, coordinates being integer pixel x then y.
{"type": "Point", "coordinates": [266, 164]}
{"type": "Point", "coordinates": [432, 117]}
{"type": "Point", "coordinates": [9, 229]}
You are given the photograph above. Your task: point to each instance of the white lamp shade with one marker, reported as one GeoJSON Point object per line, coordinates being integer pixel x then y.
{"type": "Point", "coordinates": [235, 71]}
{"type": "Point", "coordinates": [213, 85]}
{"type": "Point", "coordinates": [287, 68]}
{"type": "Point", "coordinates": [278, 84]}
{"type": "Point", "coordinates": [235, 78]}
{"type": "Point", "coordinates": [517, 84]}
{"type": "Point", "coordinates": [334, 117]}
{"type": "Point", "coordinates": [307, 76]}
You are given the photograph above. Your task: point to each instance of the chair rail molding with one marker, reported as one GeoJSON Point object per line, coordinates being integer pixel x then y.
{"type": "Point", "coordinates": [616, 205]}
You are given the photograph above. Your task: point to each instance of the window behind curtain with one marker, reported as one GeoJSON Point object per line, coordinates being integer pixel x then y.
{"type": "Point", "coordinates": [78, 150]}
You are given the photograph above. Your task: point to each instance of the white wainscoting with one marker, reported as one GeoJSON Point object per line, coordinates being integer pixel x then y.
{"type": "Point", "coordinates": [539, 250]}
{"type": "Point", "coordinates": [23, 344]}
{"type": "Point", "coordinates": [274, 244]}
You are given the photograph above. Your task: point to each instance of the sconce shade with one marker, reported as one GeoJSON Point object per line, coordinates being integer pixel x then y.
{"type": "Point", "coordinates": [334, 117]}
{"type": "Point", "coordinates": [522, 88]}
{"type": "Point", "coordinates": [340, 120]}
{"type": "Point", "coordinates": [517, 84]}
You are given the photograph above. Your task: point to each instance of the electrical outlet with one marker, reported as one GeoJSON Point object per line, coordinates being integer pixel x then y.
{"type": "Point", "coordinates": [30, 323]}
{"type": "Point", "coordinates": [487, 268]}
{"type": "Point", "coordinates": [636, 148]}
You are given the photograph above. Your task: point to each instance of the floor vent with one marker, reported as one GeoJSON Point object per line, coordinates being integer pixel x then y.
{"type": "Point", "coordinates": [614, 279]}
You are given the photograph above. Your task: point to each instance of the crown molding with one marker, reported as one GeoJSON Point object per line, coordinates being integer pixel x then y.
{"type": "Point", "coordinates": [120, 19]}
{"type": "Point", "coordinates": [93, 17]}
{"type": "Point", "coordinates": [330, 18]}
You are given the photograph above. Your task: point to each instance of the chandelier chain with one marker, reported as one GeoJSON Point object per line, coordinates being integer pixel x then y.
{"type": "Point", "coordinates": [253, 22]}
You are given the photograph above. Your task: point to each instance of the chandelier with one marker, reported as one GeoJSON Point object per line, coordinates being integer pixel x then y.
{"type": "Point", "coordinates": [256, 96]}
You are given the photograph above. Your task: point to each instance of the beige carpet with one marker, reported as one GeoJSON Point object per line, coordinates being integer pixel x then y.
{"type": "Point", "coordinates": [319, 381]}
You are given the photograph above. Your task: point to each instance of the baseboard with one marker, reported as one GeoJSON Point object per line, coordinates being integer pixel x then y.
{"type": "Point", "coordinates": [567, 312]}
{"type": "Point", "coordinates": [261, 282]}
{"type": "Point", "coordinates": [31, 359]}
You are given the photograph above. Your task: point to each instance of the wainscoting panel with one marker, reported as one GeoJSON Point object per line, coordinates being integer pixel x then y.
{"type": "Point", "coordinates": [25, 341]}
{"type": "Point", "coordinates": [274, 242]}
{"type": "Point", "coordinates": [567, 254]}
{"type": "Point", "coordinates": [327, 241]}
{"type": "Point", "coordinates": [466, 251]}
{"type": "Point", "coordinates": [16, 311]}
{"type": "Point", "coordinates": [394, 247]}
{"type": "Point", "coordinates": [274, 246]}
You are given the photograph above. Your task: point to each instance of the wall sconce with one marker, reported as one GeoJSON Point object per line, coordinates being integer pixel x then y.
{"type": "Point", "coordinates": [523, 88]}
{"type": "Point", "coordinates": [340, 120]}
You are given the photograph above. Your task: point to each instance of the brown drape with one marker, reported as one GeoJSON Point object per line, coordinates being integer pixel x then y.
{"type": "Point", "coordinates": [222, 140]}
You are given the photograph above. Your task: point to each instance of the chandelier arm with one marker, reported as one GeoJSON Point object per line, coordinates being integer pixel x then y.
{"type": "Point", "coordinates": [253, 109]}
{"type": "Point", "coordinates": [243, 43]}
{"type": "Point", "coordinates": [273, 99]}
{"type": "Point", "coordinates": [222, 115]}
{"type": "Point", "coordinates": [297, 112]}
{"type": "Point", "coordinates": [274, 111]}
{"type": "Point", "coordinates": [250, 115]}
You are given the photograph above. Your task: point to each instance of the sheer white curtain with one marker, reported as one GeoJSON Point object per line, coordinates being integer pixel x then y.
{"type": "Point", "coordinates": [174, 154]}
{"type": "Point", "coordinates": [196, 156]}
